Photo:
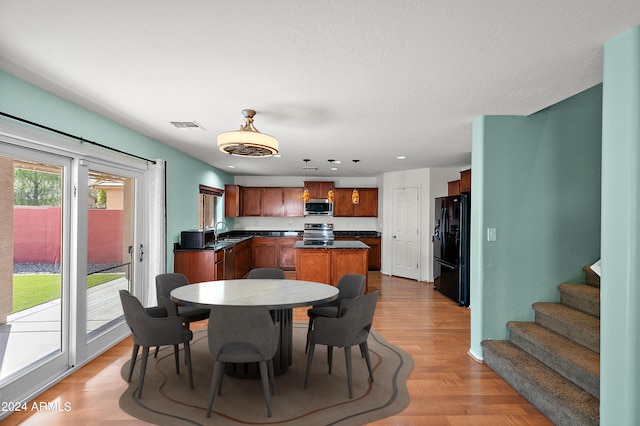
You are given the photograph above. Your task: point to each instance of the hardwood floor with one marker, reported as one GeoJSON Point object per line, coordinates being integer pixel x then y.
{"type": "Point", "coordinates": [447, 386]}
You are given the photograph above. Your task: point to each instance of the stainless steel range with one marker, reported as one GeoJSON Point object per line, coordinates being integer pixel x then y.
{"type": "Point", "coordinates": [318, 234]}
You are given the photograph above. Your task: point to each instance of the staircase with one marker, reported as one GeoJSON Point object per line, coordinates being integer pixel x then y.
{"type": "Point", "coordinates": [554, 362]}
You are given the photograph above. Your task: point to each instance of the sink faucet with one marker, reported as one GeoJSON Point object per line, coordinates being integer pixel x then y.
{"type": "Point", "coordinates": [215, 229]}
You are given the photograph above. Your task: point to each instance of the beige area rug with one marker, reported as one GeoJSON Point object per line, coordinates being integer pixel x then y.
{"type": "Point", "coordinates": [167, 398]}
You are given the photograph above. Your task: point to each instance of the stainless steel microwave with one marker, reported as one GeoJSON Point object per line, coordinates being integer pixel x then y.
{"type": "Point", "coordinates": [318, 207]}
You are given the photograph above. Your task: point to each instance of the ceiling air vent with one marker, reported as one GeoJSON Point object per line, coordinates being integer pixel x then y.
{"type": "Point", "coordinates": [187, 125]}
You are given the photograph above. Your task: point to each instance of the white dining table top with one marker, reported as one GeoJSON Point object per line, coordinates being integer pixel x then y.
{"type": "Point", "coordinates": [270, 293]}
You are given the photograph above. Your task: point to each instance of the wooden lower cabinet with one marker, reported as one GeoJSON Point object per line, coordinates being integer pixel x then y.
{"type": "Point", "coordinates": [329, 265]}
{"type": "Point", "coordinates": [274, 252]}
{"type": "Point", "coordinates": [199, 265]}
{"type": "Point", "coordinates": [375, 252]}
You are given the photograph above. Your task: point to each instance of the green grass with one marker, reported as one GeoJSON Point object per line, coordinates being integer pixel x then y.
{"type": "Point", "coordinates": [34, 290]}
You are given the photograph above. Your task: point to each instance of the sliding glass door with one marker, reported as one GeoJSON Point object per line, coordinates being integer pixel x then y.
{"type": "Point", "coordinates": [34, 267]}
{"type": "Point", "coordinates": [71, 237]}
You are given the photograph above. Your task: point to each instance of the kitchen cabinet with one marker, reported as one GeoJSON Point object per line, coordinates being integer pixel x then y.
{"type": "Point", "coordinates": [343, 206]}
{"type": "Point", "coordinates": [375, 251]}
{"type": "Point", "coordinates": [232, 200]}
{"type": "Point", "coordinates": [272, 202]}
{"type": "Point", "coordinates": [274, 252]}
{"type": "Point", "coordinates": [243, 258]}
{"type": "Point", "coordinates": [328, 265]}
{"type": "Point", "coordinates": [293, 205]}
{"type": "Point", "coordinates": [199, 265]}
{"type": "Point", "coordinates": [453, 188]}
{"type": "Point", "coordinates": [465, 181]}
{"type": "Point", "coordinates": [251, 201]}
{"type": "Point", "coordinates": [318, 190]}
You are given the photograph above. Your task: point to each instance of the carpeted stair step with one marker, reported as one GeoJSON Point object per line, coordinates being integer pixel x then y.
{"type": "Point", "coordinates": [575, 325]}
{"type": "Point", "coordinates": [569, 359]}
{"type": "Point", "coordinates": [557, 398]}
{"type": "Point", "coordinates": [582, 297]}
{"type": "Point", "coordinates": [593, 279]}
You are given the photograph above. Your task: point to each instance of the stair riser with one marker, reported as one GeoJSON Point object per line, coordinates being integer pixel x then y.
{"type": "Point", "coordinates": [535, 391]}
{"type": "Point", "coordinates": [564, 367]}
{"type": "Point", "coordinates": [587, 338]}
{"type": "Point", "coordinates": [585, 305]}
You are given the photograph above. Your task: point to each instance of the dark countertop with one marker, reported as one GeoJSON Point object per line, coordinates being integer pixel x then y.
{"type": "Point", "coordinates": [333, 245]}
{"type": "Point", "coordinates": [231, 238]}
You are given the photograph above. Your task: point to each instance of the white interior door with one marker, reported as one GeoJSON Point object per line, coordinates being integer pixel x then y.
{"type": "Point", "coordinates": [405, 232]}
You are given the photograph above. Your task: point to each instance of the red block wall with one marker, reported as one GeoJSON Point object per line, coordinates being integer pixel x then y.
{"type": "Point", "coordinates": [37, 235]}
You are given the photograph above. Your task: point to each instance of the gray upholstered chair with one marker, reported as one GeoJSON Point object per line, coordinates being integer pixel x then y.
{"type": "Point", "coordinates": [352, 328]}
{"type": "Point", "coordinates": [148, 329]}
{"type": "Point", "coordinates": [242, 334]}
{"type": "Point", "coordinates": [165, 283]}
{"type": "Point", "coordinates": [349, 286]}
{"type": "Point", "coordinates": [266, 273]}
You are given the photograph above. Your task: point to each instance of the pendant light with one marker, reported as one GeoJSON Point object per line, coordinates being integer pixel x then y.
{"type": "Point", "coordinates": [355, 195]}
{"type": "Point", "coordinates": [305, 192]}
{"type": "Point", "coordinates": [330, 194]}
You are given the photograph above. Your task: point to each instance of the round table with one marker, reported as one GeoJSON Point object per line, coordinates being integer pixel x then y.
{"type": "Point", "coordinates": [278, 295]}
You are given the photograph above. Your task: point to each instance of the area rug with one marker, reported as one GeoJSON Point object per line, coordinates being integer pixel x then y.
{"type": "Point", "coordinates": [167, 398]}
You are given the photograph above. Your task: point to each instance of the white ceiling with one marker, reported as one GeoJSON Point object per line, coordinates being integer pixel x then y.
{"type": "Point", "coordinates": [359, 79]}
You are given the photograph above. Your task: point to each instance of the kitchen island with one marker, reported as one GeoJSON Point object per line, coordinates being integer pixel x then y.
{"type": "Point", "coordinates": [327, 263]}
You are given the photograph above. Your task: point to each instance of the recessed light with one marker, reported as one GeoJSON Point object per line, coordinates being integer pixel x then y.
{"type": "Point", "coordinates": [337, 161]}
{"type": "Point", "coordinates": [334, 168]}
{"type": "Point", "coordinates": [231, 167]}
{"type": "Point", "coordinates": [401, 157]}
{"type": "Point", "coordinates": [278, 156]}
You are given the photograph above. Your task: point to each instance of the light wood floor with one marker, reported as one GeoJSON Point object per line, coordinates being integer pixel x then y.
{"type": "Point", "coordinates": [447, 386]}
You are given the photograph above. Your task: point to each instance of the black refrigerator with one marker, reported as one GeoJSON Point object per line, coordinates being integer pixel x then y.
{"type": "Point", "coordinates": [451, 247]}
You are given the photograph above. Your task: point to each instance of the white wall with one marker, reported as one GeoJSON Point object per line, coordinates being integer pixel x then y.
{"type": "Point", "coordinates": [432, 183]}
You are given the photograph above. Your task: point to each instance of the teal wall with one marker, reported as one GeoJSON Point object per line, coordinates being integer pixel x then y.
{"type": "Point", "coordinates": [184, 173]}
{"type": "Point", "coordinates": [620, 281]}
{"type": "Point", "coordinates": [536, 179]}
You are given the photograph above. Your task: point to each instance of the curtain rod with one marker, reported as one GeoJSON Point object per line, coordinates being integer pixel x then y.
{"type": "Point", "coordinates": [81, 139]}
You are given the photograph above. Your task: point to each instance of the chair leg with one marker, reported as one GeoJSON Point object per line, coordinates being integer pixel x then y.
{"type": "Point", "coordinates": [187, 357]}
{"type": "Point", "coordinates": [176, 355]}
{"type": "Point", "coordinates": [134, 357]}
{"type": "Point", "coordinates": [330, 357]}
{"type": "Point", "coordinates": [312, 347]}
{"type": "Point", "coordinates": [155, 355]}
{"type": "Point", "coordinates": [218, 369]}
{"type": "Point", "coordinates": [347, 356]}
{"type": "Point", "coordinates": [272, 379]}
{"type": "Point", "coordinates": [143, 369]}
{"type": "Point", "coordinates": [364, 349]}
{"type": "Point", "coordinates": [264, 377]}
{"type": "Point", "coordinates": [306, 348]}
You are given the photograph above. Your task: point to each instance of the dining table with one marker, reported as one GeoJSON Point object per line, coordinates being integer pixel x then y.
{"type": "Point", "coordinates": [280, 296]}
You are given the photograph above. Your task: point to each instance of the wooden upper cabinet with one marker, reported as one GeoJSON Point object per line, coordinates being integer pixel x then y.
{"type": "Point", "coordinates": [368, 206]}
{"type": "Point", "coordinates": [251, 204]}
{"type": "Point", "coordinates": [465, 181]}
{"type": "Point", "coordinates": [318, 190]}
{"type": "Point", "coordinates": [453, 187]}
{"type": "Point", "coordinates": [272, 202]}
{"type": "Point", "coordinates": [293, 205]}
{"type": "Point", "coordinates": [232, 200]}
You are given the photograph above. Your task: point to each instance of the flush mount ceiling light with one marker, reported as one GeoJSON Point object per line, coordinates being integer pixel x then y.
{"type": "Point", "coordinates": [248, 141]}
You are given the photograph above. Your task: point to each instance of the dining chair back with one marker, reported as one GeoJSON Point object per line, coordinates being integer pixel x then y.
{"type": "Point", "coordinates": [242, 334]}
{"type": "Point", "coordinates": [349, 287]}
{"type": "Point", "coordinates": [352, 328]}
{"type": "Point", "coordinates": [152, 327]}
{"type": "Point", "coordinates": [165, 283]}
{"type": "Point", "coordinates": [266, 273]}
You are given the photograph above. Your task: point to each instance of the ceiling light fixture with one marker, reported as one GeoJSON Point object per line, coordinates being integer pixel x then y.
{"type": "Point", "coordinates": [305, 192]}
{"type": "Point", "coordinates": [248, 141]}
{"type": "Point", "coordinates": [355, 195]}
